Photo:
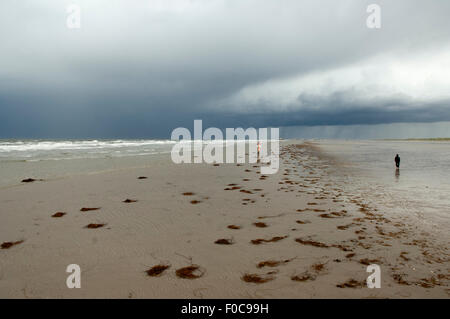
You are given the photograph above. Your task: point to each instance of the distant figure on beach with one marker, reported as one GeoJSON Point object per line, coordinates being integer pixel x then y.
{"type": "Point", "coordinates": [259, 149]}
{"type": "Point", "coordinates": [397, 161]}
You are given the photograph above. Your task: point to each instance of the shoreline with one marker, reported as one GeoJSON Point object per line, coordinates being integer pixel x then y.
{"type": "Point", "coordinates": [430, 139]}
{"type": "Point", "coordinates": [297, 230]}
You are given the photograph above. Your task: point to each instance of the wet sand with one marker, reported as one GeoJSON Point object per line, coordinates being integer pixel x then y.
{"type": "Point", "coordinates": [212, 231]}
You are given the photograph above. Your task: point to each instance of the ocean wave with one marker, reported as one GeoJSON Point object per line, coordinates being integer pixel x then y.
{"type": "Point", "coordinates": [27, 146]}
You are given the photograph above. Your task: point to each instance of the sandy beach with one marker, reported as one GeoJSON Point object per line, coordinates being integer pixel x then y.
{"type": "Point", "coordinates": [294, 234]}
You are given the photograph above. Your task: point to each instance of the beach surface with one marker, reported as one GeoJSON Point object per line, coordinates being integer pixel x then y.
{"type": "Point", "coordinates": [300, 233]}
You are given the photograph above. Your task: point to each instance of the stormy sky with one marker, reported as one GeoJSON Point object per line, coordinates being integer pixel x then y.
{"type": "Point", "coordinates": [139, 69]}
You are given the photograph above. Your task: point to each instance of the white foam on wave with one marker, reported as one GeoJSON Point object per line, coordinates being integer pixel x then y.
{"type": "Point", "coordinates": [27, 146]}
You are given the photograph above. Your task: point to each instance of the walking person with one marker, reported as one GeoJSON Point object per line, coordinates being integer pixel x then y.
{"type": "Point", "coordinates": [397, 161]}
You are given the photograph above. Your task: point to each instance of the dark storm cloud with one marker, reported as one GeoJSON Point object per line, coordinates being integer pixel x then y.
{"type": "Point", "coordinates": [142, 68]}
{"type": "Point", "coordinates": [383, 112]}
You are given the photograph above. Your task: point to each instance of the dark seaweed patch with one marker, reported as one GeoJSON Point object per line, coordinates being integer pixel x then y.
{"type": "Point", "coordinates": [94, 226]}
{"type": "Point", "coordinates": [157, 270]}
{"type": "Point", "coordinates": [273, 239]}
{"type": "Point", "coordinates": [7, 245]}
{"type": "Point", "coordinates": [257, 279]}
{"type": "Point", "coordinates": [224, 241]}
{"type": "Point", "coordinates": [58, 214]}
{"type": "Point", "coordinates": [87, 209]}
{"type": "Point", "coordinates": [190, 272]}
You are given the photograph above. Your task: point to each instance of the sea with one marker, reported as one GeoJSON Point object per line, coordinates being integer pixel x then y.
{"type": "Point", "coordinates": [47, 159]}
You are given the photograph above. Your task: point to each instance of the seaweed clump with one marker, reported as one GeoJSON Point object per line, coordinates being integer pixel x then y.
{"type": "Point", "coordinates": [190, 272]}
{"type": "Point", "coordinates": [272, 263]}
{"type": "Point", "coordinates": [273, 239]}
{"type": "Point", "coordinates": [87, 209]}
{"type": "Point", "coordinates": [157, 270]}
{"type": "Point", "coordinates": [7, 245]}
{"type": "Point", "coordinates": [260, 224]}
{"type": "Point", "coordinates": [94, 226]}
{"type": "Point", "coordinates": [58, 214]}
{"type": "Point", "coordinates": [224, 241]}
{"type": "Point", "coordinates": [311, 243]}
{"type": "Point", "coordinates": [257, 279]}
{"type": "Point", "coordinates": [351, 283]}
{"type": "Point", "coordinates": [28, 180]}
{"type": "Point", "coordinates": [303, 277]}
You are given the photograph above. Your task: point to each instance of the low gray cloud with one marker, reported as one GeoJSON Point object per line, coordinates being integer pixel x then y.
{"type": "Point", "coordinates": [141, 68]}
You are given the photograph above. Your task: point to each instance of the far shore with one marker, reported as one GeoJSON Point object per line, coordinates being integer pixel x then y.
{"type": "Point", "coordinates": [432, 139]}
